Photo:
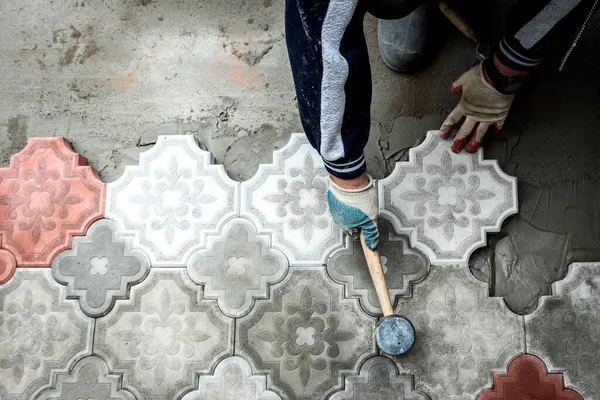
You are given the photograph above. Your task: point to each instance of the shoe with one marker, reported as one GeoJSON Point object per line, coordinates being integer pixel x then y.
{"type": "Point", "coordinates": [407, 44]}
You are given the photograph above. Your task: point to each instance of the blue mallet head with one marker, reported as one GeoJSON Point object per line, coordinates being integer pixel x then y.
{"type": "Point", "coordinates": [395, 335]}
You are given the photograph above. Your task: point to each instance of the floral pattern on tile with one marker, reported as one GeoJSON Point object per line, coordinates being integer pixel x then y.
{"type": "Point", "coordinates": [47, 196]}
{"type": "Point", "coordinates": [445, 201]}
{"type": "Point", "coordinates": [402, 266]}
{"type": "Point", "coordinates": [288, 199]}
{"type": "Point", "coordinates": [39, 332]}
{"type": "Point", "coordinates": [237, 267]}
{"type": "Point", "coordinates": [167, 331]}
{"type": "Point", "coordinates": [101, 268]}
{"type": "Point", "coordinates": [306, 335]}
{"type": "Point", "coordinates": [172, 200]}
{"type": "Point", "coordinates": [461, 334]}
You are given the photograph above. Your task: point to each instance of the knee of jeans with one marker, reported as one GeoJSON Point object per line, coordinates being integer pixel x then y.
{"type": "Point", "coordinates": [392, 9]}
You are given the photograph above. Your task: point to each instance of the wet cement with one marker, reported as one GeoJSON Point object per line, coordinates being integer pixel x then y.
{"type": "Point", "coordinates": [112, 76]}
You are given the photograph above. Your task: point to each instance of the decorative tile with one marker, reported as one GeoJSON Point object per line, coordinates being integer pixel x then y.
{"type": "Point", "coordinates": [565, 329]}
{"type": "Point", "coordinates": [172, 199]}
{"type": "Point", "coordinates": [7, 265]}
{"type": "Point", "coordinates": [306, 335]}
{"type": "Point", "coordinates": [39, 332]}
{"type": "Point", "coordinates": [461, 334]}
{"type": "Point", "coordinates": [232, 379]}
{"type": "Point", "coordinates": [89, 379]}
{"type": "Point", "coordinates": [402, 266]}
{"type": "Point", "coordinates": [289, 200]}
{"type": "Point", "coordinates": [47, 196]}
{"type": "Point", "coordinates": [100, 268]}
{"type": "Point", "coordinates": [238, 267]}
{"type": "Point", "coordinates": [528, 378]}
{"type": "Point", "coordinates": [447, 202]}
{"type": "Point", "coordinates": [163, 335]}
{"type": "Point", "coordinates": [379, 379]}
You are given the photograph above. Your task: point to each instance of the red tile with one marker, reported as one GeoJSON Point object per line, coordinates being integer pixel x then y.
{"type": "Point", "coordinates": [528, 379]}
{"type": "Point", "coordinates": [47, 195]}
{"type": "Point", "coordinates": [7, 266]}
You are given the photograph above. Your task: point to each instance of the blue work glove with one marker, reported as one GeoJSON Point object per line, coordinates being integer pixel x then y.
{"type": "Point", "coordinates": [354, 210]}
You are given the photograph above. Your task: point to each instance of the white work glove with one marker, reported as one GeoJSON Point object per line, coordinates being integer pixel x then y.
{"type": "Point", "coordinates": [354, 210]}
{"type": "Point", "coordinates": [481, 105]}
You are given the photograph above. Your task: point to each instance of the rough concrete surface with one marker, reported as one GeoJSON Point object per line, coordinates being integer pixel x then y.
{"type": "Point", "coordinates": [111, 76]}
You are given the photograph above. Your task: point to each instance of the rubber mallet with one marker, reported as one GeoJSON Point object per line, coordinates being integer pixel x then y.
{"type": "Point", "coordinates": [395, 334]}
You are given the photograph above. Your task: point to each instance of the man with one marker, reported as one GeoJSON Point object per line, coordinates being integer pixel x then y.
{"type": "Point", "coordinates": [330, 65]}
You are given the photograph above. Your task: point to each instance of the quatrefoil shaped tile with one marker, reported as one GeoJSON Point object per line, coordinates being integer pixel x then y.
{"type": "Point", "coordinates": [100, 268]}
{"type": "Point", "coordinates": [378, 378]}
{"type": "Point", "coordinates": [528, 378]}
{"type": "Point", "coordinates": [288, 199]}
{"type": "Point", "coordinates": [402, 266]}
{"type": "Point", "coordinates": [232, 379]}
{"type": "Point", "coordinates": [88, 379]}
{"type": "Point", "coordinates": [237, 267]}
{"type": "Point", "coordinates": [172, 199]}
{"type": "Point", "coordinates": [447, 202]}
{"type": "Point", "coordinates": [47, 196]}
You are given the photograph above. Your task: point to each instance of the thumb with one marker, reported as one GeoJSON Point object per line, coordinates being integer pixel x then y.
{"type": "Point", "coordinates": [458, 84]}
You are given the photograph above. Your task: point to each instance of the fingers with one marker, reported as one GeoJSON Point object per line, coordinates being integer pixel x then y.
{"type": "Point", "coordinates": [496, 128]}
{"type": "Point", "coordinates": [465, 130]}
{"type": "Point", "coordinates": [476, 139]}
{"type": "Point", "coordinates": [450, 122]}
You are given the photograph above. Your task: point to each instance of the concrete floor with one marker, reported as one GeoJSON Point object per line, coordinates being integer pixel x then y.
{"type": "Point", "coordinates": [111, 76]}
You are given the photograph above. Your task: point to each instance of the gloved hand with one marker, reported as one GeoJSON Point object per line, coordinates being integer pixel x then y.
{"type": "Point", "coordinates": [355, 209]}
{"type": "Point", "coordinates": [481, 105]}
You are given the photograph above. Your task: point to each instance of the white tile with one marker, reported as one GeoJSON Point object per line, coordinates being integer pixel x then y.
{"type": "Point", "coordinates": [172, 199]}
{"type": "Point", "coordinates": [289, 200]}
{"type": "Point", "coordinates": [447, 202]}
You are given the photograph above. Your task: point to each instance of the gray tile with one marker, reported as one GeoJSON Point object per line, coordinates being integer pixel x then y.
{"type": "Point", "coordinates": [306, 335]}
{"type": "Point", "coordinates": [172, 199]}
{"type": "Point", "coordinates": [233, 380]}
{"type": "Point", "coordinates": [163, 335]}
{"type": "Point", "coordinates": [462, 335]}
{"type": "Point", "coordinates": [289, 200]}
{"type": "Point", "coordinates": [379, 379]}
{"type": "Point", "coordinates": [402, 266]}
{"type": "Point", "coordinates": [40, 333]}
{"type": "Point", "coordinates": [565, 329]}
{"type": "Point", "coordinates": [100, 268]}
{"type": "Point", "coordinates": [237, 267]}
{"type": "Point", "coordinates": [89, 379]}
{"type": "Point", "coordinates": [447, 202]}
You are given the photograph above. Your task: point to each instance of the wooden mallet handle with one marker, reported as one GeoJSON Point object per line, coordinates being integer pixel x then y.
{"type": "Point", "coordinates": [376, 270]}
